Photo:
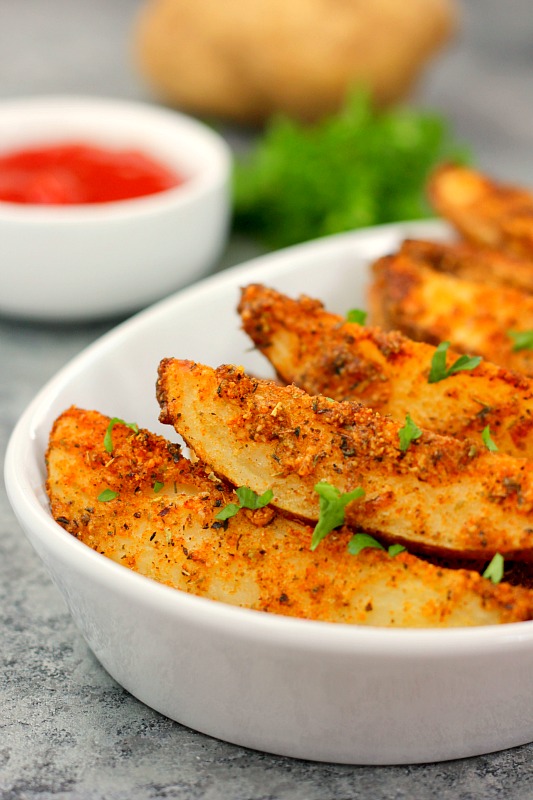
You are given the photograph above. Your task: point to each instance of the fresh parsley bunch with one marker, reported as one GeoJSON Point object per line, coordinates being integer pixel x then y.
{"type": "Point", "coordinates": [360, 167]}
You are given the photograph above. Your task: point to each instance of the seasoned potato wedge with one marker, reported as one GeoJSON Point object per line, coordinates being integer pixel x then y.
{"type": "Point", "coordinates": [259, 559]}
{"type": "Point", "coordinates": [484, 210]}
{"type": "Point", "coordinates": [430, 306]}
{"type": "Point", "coordinates": [324, 354]}
{"type": "Point", "coordinates": [473, 262]}
{"type": "Point", "coordinates": [440, 494]}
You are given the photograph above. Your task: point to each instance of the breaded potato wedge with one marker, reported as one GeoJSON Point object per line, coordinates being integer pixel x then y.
{"type": "Point", "coordinates": [483, 210]}
{"type": "Point", "coordinates": [324, 354]}
{"type": "Point", "coordinates": [440, 494]}
{"type": "Point", "coordinates": [473, 262]}
{"type": "Point", "coordinates": [259, 560]}
{"type": "Point", "coordinates": [430, 306]}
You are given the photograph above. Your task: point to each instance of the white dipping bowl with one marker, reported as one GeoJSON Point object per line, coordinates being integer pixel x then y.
{"type": "Point", "coordinates": [74, 262]}
{"type": "Point", "coordinates": [314, 690]}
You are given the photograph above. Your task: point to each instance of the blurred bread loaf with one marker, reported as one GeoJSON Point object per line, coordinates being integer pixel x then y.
{"type": "Point", "coordinates": [244, 60]}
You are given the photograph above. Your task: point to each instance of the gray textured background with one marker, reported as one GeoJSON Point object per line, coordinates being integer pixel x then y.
{"type": "Point", "coordinates": [66, 729]}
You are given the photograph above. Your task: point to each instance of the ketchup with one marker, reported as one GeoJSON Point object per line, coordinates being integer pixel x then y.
{"type": "Point", "coordinates": [77, 173]}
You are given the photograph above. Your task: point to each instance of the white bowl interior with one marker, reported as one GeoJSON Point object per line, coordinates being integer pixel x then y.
{"type": "Point", "coordinates": [293, 687]}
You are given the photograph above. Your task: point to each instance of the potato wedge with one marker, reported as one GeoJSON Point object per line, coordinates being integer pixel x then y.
{"type": "Point", "coordinates": [433, 307]}
{"type": "Point", "coordinates": [324, 354]}
{"type": "Point", "coordinates": [484, 210]}
{"type": "Point", "coordinates": [171, 534]}
{"type": "Point", "coordinates": [440, 494]}
{"type": "Point", "coordinates": [473, 262]}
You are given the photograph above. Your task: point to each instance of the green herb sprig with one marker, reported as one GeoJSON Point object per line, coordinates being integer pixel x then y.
{"type": "Point", "coordinates": [487, 440]}
{"type": "Point", "coordinates": [494, 571]}
{"type": "Point", "coordinates": [332, 508]}
{"type": "Point", "coordinates": [107, 495]}
{"type": "Point", "coordinates": [108, 438]}
{"type": "Point", "coordinates": [523, 340]}
{"type": "Point", "coordinates": [359, 167]}
{"type": "Point", "coordinates": [356, 315]}
{"type": "Point", "coordinates": [408, 433]}
{"type": "Point", "coordinates": [247, 499]}
{"type": "Point", "coordinates": [439, 371]}
{"type": "Point", "coordinates": [361, 541]}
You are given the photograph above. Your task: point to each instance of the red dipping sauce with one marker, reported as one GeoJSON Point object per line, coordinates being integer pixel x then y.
{"type": "Point", "coordinates": [78, 173]}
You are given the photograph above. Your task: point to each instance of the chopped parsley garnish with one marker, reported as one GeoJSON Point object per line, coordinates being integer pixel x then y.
{"type": "Point", "coordinates": [158, 486]}
{"type": "Point", "coordinates": [360, 541]}
{"type": "Point", "coordinates": [107, 495]}
{"type": "Point", "coordinates": [494, 571]}
{"type": "Point", "coordinates": [523, 340]}
{"type": "Point", "coordinates": [361, 166]}
{"type": "Point", "coordinates": [408, 433]}
{"type": "Point", "coordinates": [356, 315]}
{"type": "Point", "coordinates": [108, 439]}
{"type": "Point", "coordinates": [247, 499]}
{"type": "Point", "coordinates": [394, 549]}
{"type": "Point", "coordinates": [487, 440]}
{"type": "Point", "coordinates": [332, 505]}
{"type": "Point", "coordinates": [439, 371]}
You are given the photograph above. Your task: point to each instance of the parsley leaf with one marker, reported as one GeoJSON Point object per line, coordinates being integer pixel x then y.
{"type": "Point", "coordinates": [362, 166]}
{"type": "Point", "coordinates": [487, 440]}
{"type": "Point", "coordinates": [228, 511]}
{"type": "Point", "coordinates": [332, 505]}
{"type": "Point", "coordinates": [408, 433]}
{"type": "Point", "coordinates": [158, 486]}
{"type": "Point", "coordinates": [108, 440]}
{"type": "Point", "coordinates": [247, 499]}
{"type": "Point", "coordinates": [494, 571]}
{"type": "Point", "coordinates": [395, 549]}
{"type": "Point", "coordinates": [360, 541]}
{"type": "Point", "coordinates": [107, 495]}
{"type": "Point", "coordinates": [439, 371]}
{"type": "Point", "coordinates": [356, 315]}
{"type": "Point", "coordinates": [523, 340]}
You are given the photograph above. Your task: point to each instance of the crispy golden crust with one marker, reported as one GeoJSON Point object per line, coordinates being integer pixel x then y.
{"type": "Point", "coordinates": [261, 561]}
{"type": "Point", "coordinates": [441, 494]}
{"type": "Point", "coordinates": [324, 354]}
{"type": "Point", "coordinates": [430, 306]}
{"type": "Point", "coordinates": [483, 210]}
{"type": "Point", "coordinates": [473, 262]}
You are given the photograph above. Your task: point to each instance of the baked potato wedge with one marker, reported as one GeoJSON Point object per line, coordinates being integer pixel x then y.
{"type": "Point", "coordinates": [323, 353]}
{"type": "Point", "coordinates": [439, 494]}
{"type": "Point", "coordinates": [431, 306]}
{"type": "Point", "coordinates": [162, 523]}
{"type": "Point", "coordinates": [473, 262]}
{"type": "Point", "coordinates": [484, 210]}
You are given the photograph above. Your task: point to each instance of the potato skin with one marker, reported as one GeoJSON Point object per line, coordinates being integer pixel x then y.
{"type": "Point", "coordinates": [440, 495]}
{"type": "Point", "coordinates": [259, 560]}
{"type": "Point", "coordinates": [324, 354]}
{"type": "Point", "coordinates": [433, 307]}
{"type": "Point", "coordinates": [483, 210]}
{"type": "Point", "coordinates": [245, 61]}
{"type": "Point", "coordinates": [474, 262]}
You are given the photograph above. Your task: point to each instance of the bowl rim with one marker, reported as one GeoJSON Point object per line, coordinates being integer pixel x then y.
{"type": "Point", "coordinates": [309, 635]}
{"type": "Point", "coordinates": [198, 183]}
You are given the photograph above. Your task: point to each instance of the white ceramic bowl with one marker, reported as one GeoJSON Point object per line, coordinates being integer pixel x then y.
{"type": "Point", "coordinates": [293, 687]}
{"type": "Point", "coordinates": [83, 262]}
